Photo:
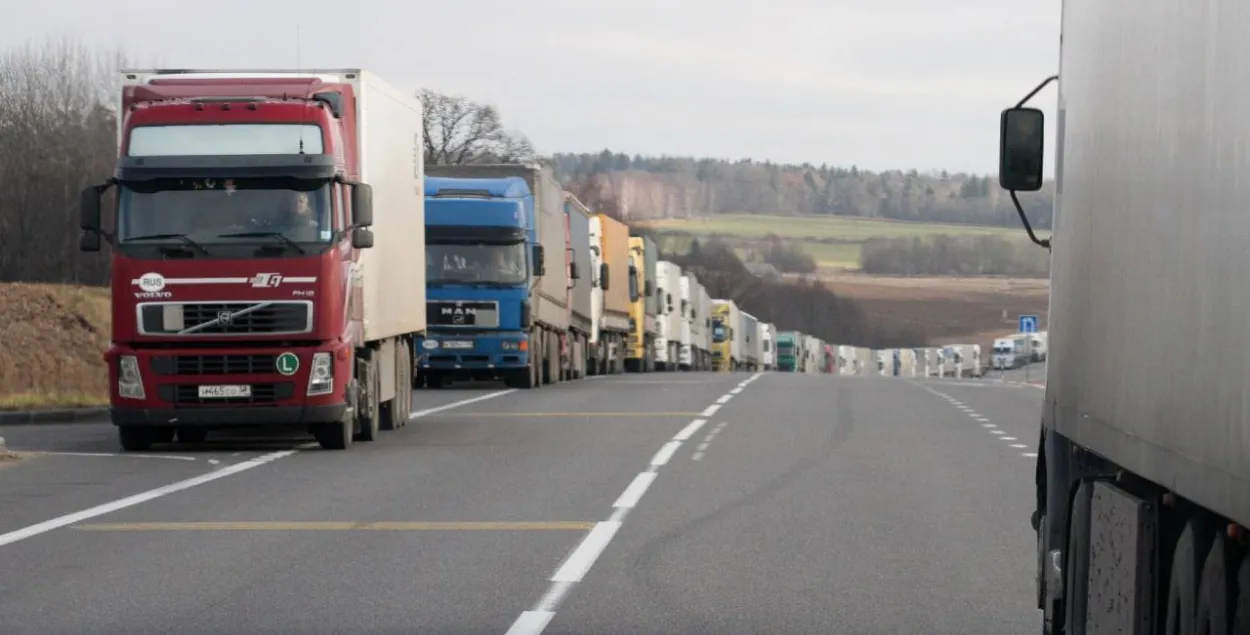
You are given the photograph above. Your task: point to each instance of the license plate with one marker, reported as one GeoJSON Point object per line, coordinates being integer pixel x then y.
{"type": "Point", "coordinates": [225, 392]}
{"type": "Point", "coordinates": [457, 344]}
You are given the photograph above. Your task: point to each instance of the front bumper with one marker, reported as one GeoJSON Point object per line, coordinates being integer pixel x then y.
{"type": "Point", "coordinates": [238, 416]}
{"type": "Point", "coordinates": [472, 352]}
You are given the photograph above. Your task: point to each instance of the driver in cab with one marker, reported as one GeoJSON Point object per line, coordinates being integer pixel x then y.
{"type": "Point", "coordinates": [295, 218]}
{"type": "Point", "coordinates": [506, 267]}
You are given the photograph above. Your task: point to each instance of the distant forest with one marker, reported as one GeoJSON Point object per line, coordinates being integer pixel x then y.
{"type": "Point", "coordinates": [647, 187]}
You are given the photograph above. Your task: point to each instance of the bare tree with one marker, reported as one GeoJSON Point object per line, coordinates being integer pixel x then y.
{"type": "Point", "coordinates": [459, 131]}
{"type": "Point", "coordinates": [57, 133]}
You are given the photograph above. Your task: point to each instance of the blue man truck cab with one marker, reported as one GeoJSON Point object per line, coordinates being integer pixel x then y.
{"type": "Point", "coordinates": [482, 258]}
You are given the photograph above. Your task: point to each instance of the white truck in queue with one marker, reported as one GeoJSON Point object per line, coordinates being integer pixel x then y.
{"type": "Point", "coordinates": [1142, 477]}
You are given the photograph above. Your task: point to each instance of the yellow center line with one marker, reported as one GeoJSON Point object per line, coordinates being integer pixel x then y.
{"type": "Point", "coordinates": [573, 414]}
{"type": "Point", "coordinates": [338, 526]}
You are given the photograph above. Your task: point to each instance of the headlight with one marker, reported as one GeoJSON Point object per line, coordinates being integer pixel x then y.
{"type": "Point", "coordinates": [321, 377]}
{"type": "Point", "coordinates": [429, 345]}
{"type": "Point", "coordinates": [129, 380]}
{"type": "Point", "coordinates": [510, 346]}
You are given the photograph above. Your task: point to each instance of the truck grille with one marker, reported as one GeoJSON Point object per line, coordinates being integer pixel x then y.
{"type": "Point", "coordinates": [189, 394]}
{"type": "Point", "coordinates": [215, 364]}
{"type": "Point", "coordinates": [466, 314]}
{"type": "Point", "coordinates": [225, 318]}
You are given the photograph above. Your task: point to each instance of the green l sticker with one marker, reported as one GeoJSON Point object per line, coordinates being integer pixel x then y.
{"type": "Point", "coordinates": [287, 364]}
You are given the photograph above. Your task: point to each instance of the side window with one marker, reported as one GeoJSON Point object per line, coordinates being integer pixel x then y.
{"type": "Point", "coordinates": [340, 206]}
{"type": "Point", "coordinates": [345, 206]}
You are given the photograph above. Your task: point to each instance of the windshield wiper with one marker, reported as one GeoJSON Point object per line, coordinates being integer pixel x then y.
{"type": "Point", "coordinates": [183, 237]}
{"type": "Point", "coordinates": [279, 235]}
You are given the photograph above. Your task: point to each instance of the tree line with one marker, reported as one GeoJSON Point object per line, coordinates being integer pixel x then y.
{"type": "Point", "coordinates": [686, 187]}
{"type": "Point", "coordinates": [58, 128]}
{"type": "Point", "coordinates": [954, 255]}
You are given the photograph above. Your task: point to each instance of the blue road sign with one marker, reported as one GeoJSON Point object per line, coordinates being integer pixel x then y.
{"type": "Point", "coordinates": [1028, 323]}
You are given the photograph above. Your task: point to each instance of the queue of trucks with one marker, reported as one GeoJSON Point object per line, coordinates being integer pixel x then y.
{"type": "Point", "coordinates": [283, 257]}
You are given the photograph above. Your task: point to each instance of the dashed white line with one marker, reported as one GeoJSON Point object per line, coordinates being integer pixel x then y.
{"type": "Point", "coordinates": [724, 399]}
{"type": "Point", "coordinates": [665, 453]}
{"type": "Point", "coordinates": [632, 494]}
{"type": "Point", "coordinates": [736, 390]}
{"type": "Point", "coordinates": [689, 430]}
{"type": "Point", "coordinates": [709, 411]}
{"type": "Point", "coordinates": [583, 557]}
{"type": "Point", "coordinates": [985, 422]}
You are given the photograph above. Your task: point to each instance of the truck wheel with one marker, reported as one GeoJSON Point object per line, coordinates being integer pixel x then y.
{"type": "Point", "coordinates": [188, 434]}
{"type": "Point", "coordinates": [334, 436]}
{"type": "Point", "coordinates": [163, 435]}
{"type": "Point", "coordinates": [134, 438]}
{"type": "Point", "coordinates": [523, 379]}
{"type": "Point", "coordinates": [1214, 601]}
{"type": "Point", "coordinates": [1182, 598]}
{"type": "Point", "coordinates": [370, 416]}
{"type": "Point", "coordinates": [394, 413]}
{"type": "Point", "coordinates": [1241, 612]}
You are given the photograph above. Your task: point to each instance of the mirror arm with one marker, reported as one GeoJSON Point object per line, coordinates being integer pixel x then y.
{"type": "Point", "coordinates": [1046, 82]}
{"type": "Point", "coordinates": [1040, 242]}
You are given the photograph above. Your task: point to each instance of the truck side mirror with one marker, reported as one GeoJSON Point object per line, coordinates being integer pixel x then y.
{"type": "Point", "coordinates": [362, 205]}
{"type": "Point", "coordinates": [89, 219]}
{"type": "Point", "coordinates": [89, 209]}
{"type": "Point", "coordinates": [1021, 149]}
{"type": "Point", "coordinates": [362, 238]}
{"type": "Point", "coordinates": [647, 288]}
{"type": "Point", "coordinates": [536, 254]}
{"type": "Point", "coordinates": [573, 273]}
{"type": "Point", "coordinates": [603, 276]}
{"type": "Point", "coordinates": [669, 296]}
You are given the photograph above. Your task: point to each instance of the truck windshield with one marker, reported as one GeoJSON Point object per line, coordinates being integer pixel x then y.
{"type": "Point", "coordinates": [476, 263]}
{"type": "Point", "coordinates": [718, 330]}
{"type": "Point", "coordinates": [208, 210]}
{"type": "Point", "coordinates": [1002, 350]}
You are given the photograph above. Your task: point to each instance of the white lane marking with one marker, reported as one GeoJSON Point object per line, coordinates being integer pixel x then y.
{"type": "Point", "coordinates": [689, 430]}
{"type": "Point", "coordinates": [1031, 455]}
{"type": "Point", "coordinates": [985, 423]}
{"type": "Point", "coordinates": [703, 446]}
{"type": "Point", "coordinates": [1007, 438]}
{"type": "Point", "coordinates": [709, 411]}
{"type": "Point", "coordinates": [988, 425]}
{"type": "Point", "coordinates": [1019, 445]}
{"type": "Point", "coordinates": [213, 462]}
{"type": "Point", "coordinates": [997, 432]}
{"type": "Point", "coordinates": [736, 390]}
{"type": "Point", "coordinates": [429, 411]}
{"type": "Point", "coordinates": [531, 623]}
{"type": "Point", "coordinates": [125, 456]}
{"type": "Point", "coordinates": [632, 494]}
{"type": "Point", "coordinates": [698, 456]}
{"type": "Point", "coordinates": [665, 453]}
{"type": "Point", "coordinates": [582, 558]}
{"type": "Point", "coordinates": [724, 399]}
{"type": "Point", "coordinates": [142, 497]}
{"type": "Point", "coordinates": [981, 419]}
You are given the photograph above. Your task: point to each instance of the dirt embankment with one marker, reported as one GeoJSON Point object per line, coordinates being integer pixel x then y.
{"type": "Point", "coordinates": [946, 310]}
{"type": "Point", "coordinates": [53, 337]}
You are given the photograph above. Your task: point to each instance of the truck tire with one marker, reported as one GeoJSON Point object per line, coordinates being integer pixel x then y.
{"type": "Point", "coordinates": [1215, 601]}
{"type": "Point", "coordinates": [164, 435]}
{"type": "Point", "coordinates": [370, 415]}
{"type": "Point", "coordinates": [334, 436]}
{"type": "Point", "coordinates": [394, 413]}
{"type": "Point", "coordinates": [1182, 594]}
{"type": "Point", "coordinates": [135, 438]}
{"type": "Point", "coordinates": [1241, 613]}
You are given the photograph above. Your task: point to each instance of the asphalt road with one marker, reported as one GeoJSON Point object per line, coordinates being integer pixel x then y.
{"type": "Point", "coordinates": [663, 503]}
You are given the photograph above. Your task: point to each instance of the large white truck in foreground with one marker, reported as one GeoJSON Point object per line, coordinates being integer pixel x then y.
{"type": "Point", "coordinates": [1143, 477]}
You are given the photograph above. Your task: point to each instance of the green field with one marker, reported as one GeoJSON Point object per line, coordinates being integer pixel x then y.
{"type": "Point", "coordinates": [834, 241]}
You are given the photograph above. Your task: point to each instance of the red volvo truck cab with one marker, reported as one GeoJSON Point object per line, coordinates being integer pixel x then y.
{"type": "Point", "coordinates": [247, 288]}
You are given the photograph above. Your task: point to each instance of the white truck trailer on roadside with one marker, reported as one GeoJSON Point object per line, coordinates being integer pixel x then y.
{"type": "Point", "coordinates": [668, 318]}
{"type": "Point", "coordinates": [1142, 470]}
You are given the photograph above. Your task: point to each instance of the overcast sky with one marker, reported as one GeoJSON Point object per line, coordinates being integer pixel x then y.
{"type": "Point", "coordinates": [877, 83]}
